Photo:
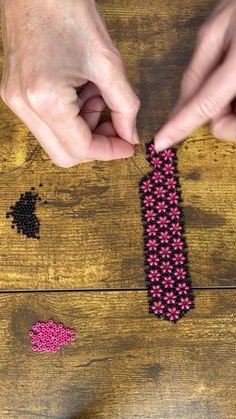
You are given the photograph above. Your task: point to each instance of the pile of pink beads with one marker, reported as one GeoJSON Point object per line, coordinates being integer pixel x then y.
{"type": "Point", "coordinates": [50, 336]}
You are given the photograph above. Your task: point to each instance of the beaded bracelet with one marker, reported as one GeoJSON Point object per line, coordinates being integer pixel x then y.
{"type": "Point", "coordinates": [166, 264]}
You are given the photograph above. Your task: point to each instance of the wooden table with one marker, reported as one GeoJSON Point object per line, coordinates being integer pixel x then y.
{"type": "Point", "coordinates": [87, 268]}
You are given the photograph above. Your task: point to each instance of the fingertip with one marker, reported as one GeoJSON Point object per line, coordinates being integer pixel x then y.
{"type": "Point", "coordinates": [110, 148]}
{"type": "Point", "coordinates": [121, 149]}
{"type": "Point", "coordinates": [161, 144]}
{"type": "Point", "coordinates": [125, 128]}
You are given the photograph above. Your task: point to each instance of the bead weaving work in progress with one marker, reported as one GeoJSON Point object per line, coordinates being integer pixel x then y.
{"type": "Point", "coordinates": [169, 287]}
{"type": "Point", "coordinates": [117, 253]}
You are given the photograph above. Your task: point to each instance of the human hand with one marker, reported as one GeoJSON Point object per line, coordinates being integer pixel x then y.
{"type": "Point", "coordinates": [208, 87]}
{"type": "Point", "coordinates": [51, 48]}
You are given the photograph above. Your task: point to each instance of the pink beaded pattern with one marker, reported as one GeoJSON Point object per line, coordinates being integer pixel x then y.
{"type": "Point", "coordinates": [169, 287]}
{"type": "Point", "coordinates": [50, 336]}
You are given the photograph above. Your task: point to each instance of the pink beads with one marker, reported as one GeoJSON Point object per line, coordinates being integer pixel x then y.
{"type": "Point", "coordinates": [50, 336]}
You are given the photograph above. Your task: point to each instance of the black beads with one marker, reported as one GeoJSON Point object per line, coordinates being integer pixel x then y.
{"type": "Point", "coordinates": [23, 213]}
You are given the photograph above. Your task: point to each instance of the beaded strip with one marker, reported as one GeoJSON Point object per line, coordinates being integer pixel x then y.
{"type": "Point", "coordinates": [166, 263]}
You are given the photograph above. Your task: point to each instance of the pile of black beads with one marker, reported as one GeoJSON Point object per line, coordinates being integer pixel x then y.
{"type": "Point", "coordinates": [24, 218]}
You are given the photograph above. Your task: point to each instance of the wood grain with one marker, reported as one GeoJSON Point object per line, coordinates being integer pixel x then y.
{"type": "Point", "coordinates": [124, 363]}
{"type": "Point", "coordinates": [91, 235]}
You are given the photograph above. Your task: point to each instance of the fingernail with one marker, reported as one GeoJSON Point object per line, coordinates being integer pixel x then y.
{"type": "Point", "coordinates": [161, 145]}
{"type": "Point", "coordinates": [135, 136]}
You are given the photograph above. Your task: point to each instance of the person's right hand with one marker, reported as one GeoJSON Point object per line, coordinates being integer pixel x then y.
{"type": "Point", "coordinates": [208, 88]}
{"type": "Point", "coordinates": [51, 48]}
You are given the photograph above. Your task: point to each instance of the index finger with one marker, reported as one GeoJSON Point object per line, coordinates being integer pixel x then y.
{"type": "Point", "coordinates": [217, 92]}
{"type": "Point", "coordinates": [121, 100]}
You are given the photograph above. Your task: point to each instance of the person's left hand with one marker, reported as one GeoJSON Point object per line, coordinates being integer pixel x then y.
{"type": "Point", "coordinates": [53, 48]}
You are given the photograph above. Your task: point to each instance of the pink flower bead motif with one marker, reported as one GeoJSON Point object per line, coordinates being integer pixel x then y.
{"type": "Point", "coordinates": [168, 282]}
{"type": "Point", "coordinates": [156, 291]}
{"type": "Point", "coordinates": [166, 267]}
{"type": "Point", "coordinates": [177, 243]}
{"type": "Point", "coordinates": [156, 162]}
{"type": "Point", "coordinates": [157, 307]}
{"type": "Point", "coordinates": [176, 228]}
{"type": "Point", "coordinates": [161, 207]}
{"type": "Point", "coordinates": [173, 198]}
{"type": "Point", "coordinates": [174, 213]}
{"type": "Point", "coordinates": [173, 313]}
{"type": "Point", "coordinates": [165, 252]}
{"type": "Point", "coordinates": [149, 201]}
{"type": "Point", "coordinates": [152, 244]}
{"type": "Point", "coordinates": [146, 186]}
{"type": "Point", "coordinates": [159, 192]}
{"type": "Point", "coordinates": [151, 149]}
{"type": "Point", "coordinates": [182, 288]}
{"type": "Point", "coordinates": [168, 169]}
{"type": "Point", "coordinates": [185, 303]}
{"type": "Point", "coordinates": [163, 222]}
{"type": "Point", "coordinates": [178, 259]}
{"type": "Point", "coordinates": [150, 215]}
{"type": "Point", "coordinates": [154, 275]}
{"type": "Point", "coordinates": [164, 237]}
{"type": "Point", "coordinates": [153, 260]}
{"type": "Point", "coordinates": [170, 297]}
{"type": "Point", "coordinates": [151, 230]}
{"type": "Point", "coordinates": [170, 183]}
{"type": "Point", "coordinates": [157, 177]}
{"type": "Point", "coordinates": [180, 273]}
{"type": "Point", "coordinates": [168, 154]}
